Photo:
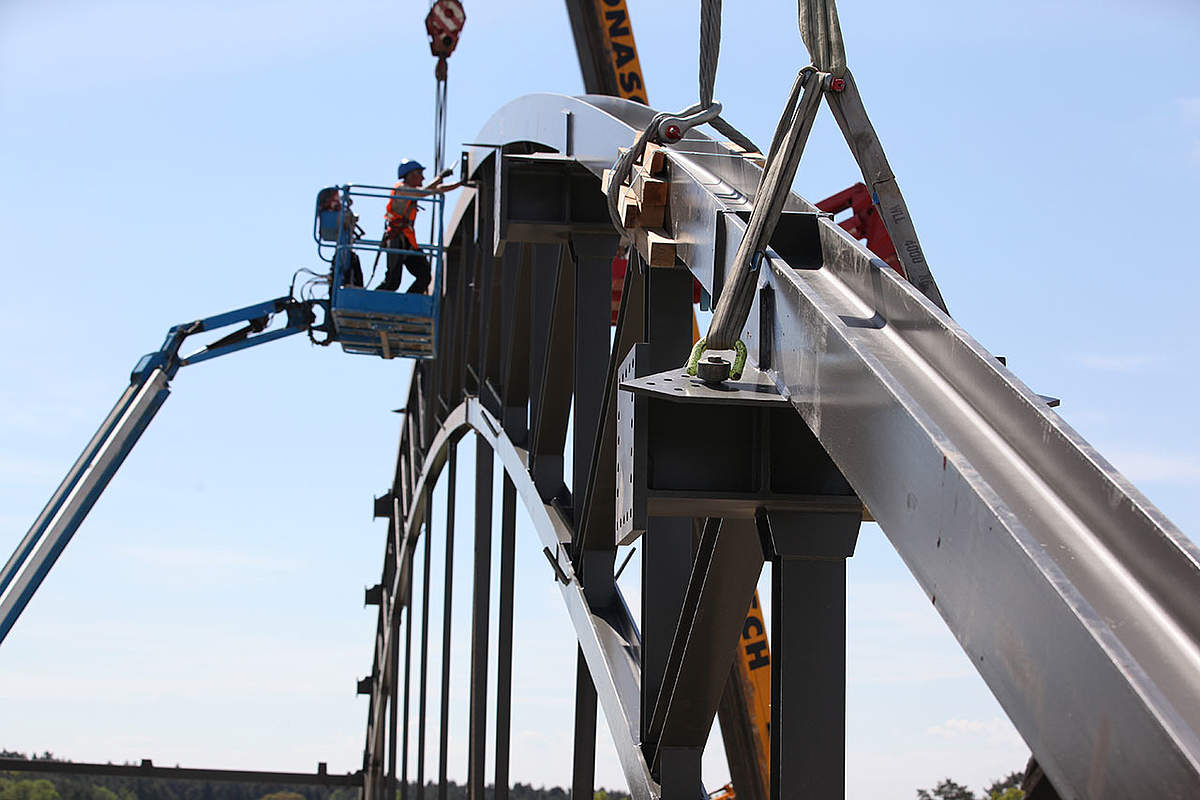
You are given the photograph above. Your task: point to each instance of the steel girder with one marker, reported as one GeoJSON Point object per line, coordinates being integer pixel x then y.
{"type": "Point", "coordinates": [1073, 596]}
{"type": "Point", "coordinates": [608, 637]}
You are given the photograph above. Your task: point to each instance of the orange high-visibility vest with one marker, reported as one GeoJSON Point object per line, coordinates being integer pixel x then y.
{"type": "Point", "coordinates": [401, 216]}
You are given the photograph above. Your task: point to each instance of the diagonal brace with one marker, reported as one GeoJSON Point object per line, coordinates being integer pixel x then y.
{"type": "Point", "coordinates": [727, 566]}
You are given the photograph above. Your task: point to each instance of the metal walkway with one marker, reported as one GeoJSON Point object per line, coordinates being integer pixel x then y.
{"type": "Point", "coordinates": [1073, 596]}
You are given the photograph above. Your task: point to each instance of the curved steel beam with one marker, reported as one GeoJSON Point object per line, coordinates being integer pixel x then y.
{"type": "Point", "coordinates": [1072, 594]}
{"type": "Point", "coordinates": [608, 637]}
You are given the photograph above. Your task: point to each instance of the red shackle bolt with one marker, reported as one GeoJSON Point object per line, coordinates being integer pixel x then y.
{"type": "Point", "coordinates": [672, 133]}
{"type": "Point", "coordinates": [837, 84]}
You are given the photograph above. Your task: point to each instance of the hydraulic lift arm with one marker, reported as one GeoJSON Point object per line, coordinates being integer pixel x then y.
{"type": "Point", "coordinates": [89, 476]}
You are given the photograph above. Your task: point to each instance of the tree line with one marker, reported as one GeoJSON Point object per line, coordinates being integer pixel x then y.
{"type": "Point", "coordinates": [56, 786]}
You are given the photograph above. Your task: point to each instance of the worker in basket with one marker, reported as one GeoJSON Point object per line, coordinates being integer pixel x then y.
{"type": "Point", "coordinates": [400, 220]}
{"type": "Point", "coordinates": [330, 199]}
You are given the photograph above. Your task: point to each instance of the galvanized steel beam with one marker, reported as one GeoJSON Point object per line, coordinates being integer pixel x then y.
{"type": "Point", "coordinates": [959, 462]}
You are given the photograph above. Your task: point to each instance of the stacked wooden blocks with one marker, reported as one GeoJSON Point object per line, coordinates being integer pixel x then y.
{"type": "Point", "coordinates": [643, 207]}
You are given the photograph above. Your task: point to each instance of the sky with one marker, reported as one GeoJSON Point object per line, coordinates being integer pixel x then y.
{"type": "Point", "coordinates": [160, 163]}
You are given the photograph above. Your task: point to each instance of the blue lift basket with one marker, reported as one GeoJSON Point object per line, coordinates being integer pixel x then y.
{"type": "Point", "coordinates": [371, 322]}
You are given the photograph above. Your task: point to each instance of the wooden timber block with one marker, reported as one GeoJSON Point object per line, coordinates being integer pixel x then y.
{"type": "Point", "coordinates": [656, 248]}
{"type": "Point", "coordinates": [628, 209]}
{"type": "Point", "coordinates": [605, 180]}
{"type": "Point", "coordinates": [635, 216]}
{"type": "Point", "coordinates": [654, 159]}
{"type": "Point", "coordinates": [757, 158]}
{"type": "Point", "coordinates": [651, 216]}
{"type": "Point", "coordinates": [649, 191]}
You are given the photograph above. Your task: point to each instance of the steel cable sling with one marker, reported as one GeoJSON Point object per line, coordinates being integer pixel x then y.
{"type": "Point", "coordinates": [667, 128]}
{"type": "Point", "coordinates": [439, 118]}
{"type": "Point", "coordinates": [443, 24]}
{"type": "Point", "coordinates": [827, 76]}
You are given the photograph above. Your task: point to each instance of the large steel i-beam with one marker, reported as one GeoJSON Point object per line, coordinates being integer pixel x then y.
{"type": "Point", "coordinates": [1073, 596]}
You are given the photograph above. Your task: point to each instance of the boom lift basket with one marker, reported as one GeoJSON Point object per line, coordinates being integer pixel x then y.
{"type": "Point", "coordinates": [371, 322]}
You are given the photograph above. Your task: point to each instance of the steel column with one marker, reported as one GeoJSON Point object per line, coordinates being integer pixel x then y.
{"type": "Point", "coordinates": [477, 745]}
{"type": "Point", "coordinates": [504, 647]}
{"type": "Point", "coordinates": [808, 641]}
{"type": "Point", "coordinates": [553, 313]}
{"type": "Point", "coordinates": [447, 608]}
{"type": "Point", "coordinates": [592, 256]}
{"type": "Point", "coordinates": [680, 770]}
{"type": "Point", "coordinates": [393, 685]}
{"type": "Point", "coordinates": [583, 771]}
{"type": "Point", "coordinates": [490, 328]}
{"type": "Point", "coordinates": [667, 545]}
{"type": "Point", "coordinates": [515, 355]}
{"type": "Point", "coordinates": [594, 529]}
{"type": "Point", "coordinates": [666, 566]}
{"type": "Point", "coordinates": [407, 682]}
{"type": "Point", "coordinates": [424, 665]}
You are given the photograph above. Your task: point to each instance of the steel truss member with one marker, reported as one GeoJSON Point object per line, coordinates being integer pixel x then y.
{"type": "Point", "coordinates": [858, 391]}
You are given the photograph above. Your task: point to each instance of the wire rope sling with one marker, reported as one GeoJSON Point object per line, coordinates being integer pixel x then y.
{"type": "Point", "coordinates": [826, 76]}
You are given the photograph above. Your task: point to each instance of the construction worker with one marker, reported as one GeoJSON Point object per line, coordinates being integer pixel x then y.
{"type": "Point", "coordinates": [330, 200]}
{"type": "Point", "coordinates": [400, 220]}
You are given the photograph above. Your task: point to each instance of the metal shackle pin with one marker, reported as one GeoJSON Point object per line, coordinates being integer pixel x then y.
{"type": "Point", "coordinates": [671, 129]}
{"type": "Point", "coordinates": [713, 369]}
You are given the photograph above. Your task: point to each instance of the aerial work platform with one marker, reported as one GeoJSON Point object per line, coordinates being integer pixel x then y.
{"type": "Point", "coordinates": [383, 324]}
{"type": "Point", "coordinates": [370, 321]}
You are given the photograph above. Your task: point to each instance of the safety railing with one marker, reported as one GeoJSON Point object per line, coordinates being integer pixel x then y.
{"type": "Point", "coordinates": [337, 235]}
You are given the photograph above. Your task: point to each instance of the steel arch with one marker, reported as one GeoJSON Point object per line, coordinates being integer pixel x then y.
{"type": "Point", "coordinates": [1085, 612]}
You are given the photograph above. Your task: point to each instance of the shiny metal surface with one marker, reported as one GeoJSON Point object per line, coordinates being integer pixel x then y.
{"type": "Point", "coordinates": [607, 636]}
{"type": "Point", "coordinates": [1074, 597]}
{"type": "Point", "coordinates": [754, 386]}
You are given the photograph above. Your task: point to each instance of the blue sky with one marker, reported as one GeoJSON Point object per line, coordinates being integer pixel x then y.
{"type": "Point", "coordinates": [160, 163]}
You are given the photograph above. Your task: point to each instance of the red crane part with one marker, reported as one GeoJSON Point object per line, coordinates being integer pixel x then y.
{"type": "Point", "coordinates": [444, 23]}
{"type": "Point", "coordinates": [865, 223]}
{"type": "Point", "coordinates": [619, 265]}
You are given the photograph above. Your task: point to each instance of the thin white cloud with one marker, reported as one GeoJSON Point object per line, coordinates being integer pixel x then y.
{"type": "Point", "coordinates": [52, 48]}
{"type": "Point", "coordinates": [216, 560]}
{"type": "Point", "coordinates": [25, 471]}
{"type": "Point", "coordinates": [1142, 467]}
{"type": "Point", "coordinates": [995, 730]}
{"type": "Point", "coordinates": [1108, 362]}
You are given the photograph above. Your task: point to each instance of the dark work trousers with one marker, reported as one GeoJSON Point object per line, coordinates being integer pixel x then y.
{"type": "Point", "coordinates": [352, 272]}
{"type": "Point", "coordinates": [416, 263]}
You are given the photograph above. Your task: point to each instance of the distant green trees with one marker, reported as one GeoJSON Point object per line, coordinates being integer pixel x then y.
{"type": "Point", "coordinates": [39, 789]}
{"type": "Point", "coordinates": [32, 786]}
{"type": "Point", "coordinates": [518, 791]}
{"type": "Point", "coordinates": [1006, 788]}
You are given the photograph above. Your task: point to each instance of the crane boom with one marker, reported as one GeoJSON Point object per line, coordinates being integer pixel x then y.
{"type": "Point", "coordinates": [607, 53]}
{"type": "Point", "coordinates": [87, 479]}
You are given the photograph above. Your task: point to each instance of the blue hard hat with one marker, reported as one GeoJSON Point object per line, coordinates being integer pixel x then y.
{"type": "Point", "coordinates": [406, 166]}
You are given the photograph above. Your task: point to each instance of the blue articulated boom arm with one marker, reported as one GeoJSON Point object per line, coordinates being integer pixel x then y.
{"type": "Point", "coordinates": [148, 389]}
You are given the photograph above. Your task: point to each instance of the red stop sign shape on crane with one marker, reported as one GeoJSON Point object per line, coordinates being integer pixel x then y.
{"type": "Point", "coordinates": [444, 23]}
